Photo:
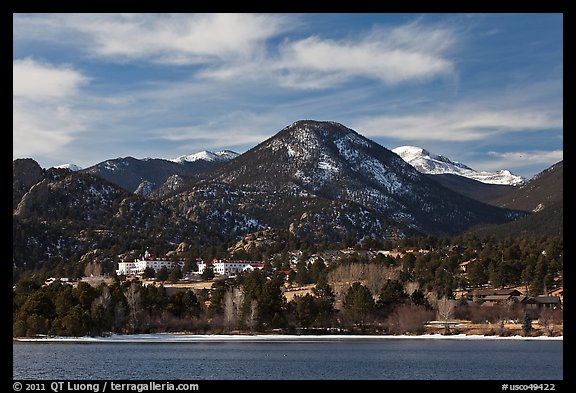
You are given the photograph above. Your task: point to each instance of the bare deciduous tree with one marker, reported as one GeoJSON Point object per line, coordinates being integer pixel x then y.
{"type": "Point", "coordinates": [133, 299]}
{"type": "Point", "coordinates": [372, 275]}
{"type": "Point", "coordinates": [408, 318]}
{"type": "Point", "coordinates": [104, 299]}
{"type": "Point", "coordinates": [233, 299]}
{"type": "Point", "coordinates": [410, 287]}
{"type": "Point", "coordinates": [229, 317]}
{"type": "Point", "coordinates": [445, 311]}
{"type": "Point", "coordinates": [549, 318]}
{"type": "Point", "coordinates": [252, 319]}
{"type": "Point", "coordinates": [92, 268]}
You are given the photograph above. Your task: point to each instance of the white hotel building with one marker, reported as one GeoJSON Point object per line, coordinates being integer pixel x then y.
{"type": "Point", "coordinates": [225, 267]}
{"type": "Point", "coordinates": [138, 266]}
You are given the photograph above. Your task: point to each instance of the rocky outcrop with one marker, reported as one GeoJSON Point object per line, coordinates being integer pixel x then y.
{"type": "Point", "coordinates": [26, 172]}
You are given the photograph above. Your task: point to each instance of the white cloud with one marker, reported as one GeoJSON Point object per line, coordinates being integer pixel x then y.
{"type": "Point", "coordinates": [522, 159]}
{"type": "Point", "coordinates": [161, 38]}
{"type": "Point", "coordinates": [34, 80]}
{"type": "Point", "coordinates": [241, 47]}
{"type": "Point", "coordinates": [409, 53]}
{"type": "Point", "coordinates": [38, 130]}
{"type": "Point", "coordinates": [405, 53]}
{"type": "Point", "coordinates": [460, 124]}
{"type": "Point", "coordinates": [44, 118]}
{"type": "Point", "coordinates": [237, 129]}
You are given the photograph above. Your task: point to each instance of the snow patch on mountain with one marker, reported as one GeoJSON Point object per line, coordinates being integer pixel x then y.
{"type": "Point", "coordinates": [433, 164]}
{"type": "Point", "coordinates": [205, 155]}
{"type": "Point", "coordinates": [389, 180]}
{"type": "Point", "coordinates": [328, 166]}
{"type": "Point", "coordinates": [72, 167]}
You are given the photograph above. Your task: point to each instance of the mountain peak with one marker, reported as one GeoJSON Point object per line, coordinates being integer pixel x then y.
{"type": "Point", "coordinates": [206, 155]}
{"type": "Point", "coordinates": [316, 128]}
{"type": "Point", "coordinates": [334, 165]}
{"type": "Point", "coordinates": [314, 141]}
{"type": "Point", "coordinates": [72, 167]}
{"type": "Point", "coordinates": [433, 164]}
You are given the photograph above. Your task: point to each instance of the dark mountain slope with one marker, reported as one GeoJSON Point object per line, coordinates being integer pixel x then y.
{"type": "Point", "coordinates": [147, 175]}
{"type": "Point", "coordinates": [543, 190]}
{"type": "Point", "coordinates": [65, 215]}
{"type": "Point", "coordinates": [330, 162]}
{"type": "Point", "coordinates": [482, 192]}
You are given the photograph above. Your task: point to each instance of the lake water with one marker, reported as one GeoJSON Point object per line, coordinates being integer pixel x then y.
{"type": "Point", "coordinates": [342, 359]}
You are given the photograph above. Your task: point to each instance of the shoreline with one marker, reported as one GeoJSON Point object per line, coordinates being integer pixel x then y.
{"type": "Point", "coordinates": [199, 338]}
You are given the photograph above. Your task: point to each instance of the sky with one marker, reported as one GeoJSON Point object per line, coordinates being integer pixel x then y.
{"type": "Point", "coordinates": [485, 90]}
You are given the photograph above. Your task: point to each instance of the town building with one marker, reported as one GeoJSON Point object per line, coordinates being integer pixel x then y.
{"type": "Point", "coordinates": [228, 267]}
{"type": "Point", "coordinates": [493, 297]}
{"type": "Point", "coordinates": [138, 266]}
{"type": "Point", "coordinates": [463, 266]}
{"type": "Point", "coordinates": [492, 294]}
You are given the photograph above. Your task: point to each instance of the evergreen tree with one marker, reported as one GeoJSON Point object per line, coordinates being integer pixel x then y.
{"type": "Point", "coordinates": [149, 272]}
{"type": "Point", "coordinates": [476, 273]}
{"type": "Point", "coordinates": [271, 304]}
{"type": "Point", "coordinates": [317, 269]}
{"type": "Point", "coordinates": [191, 303]}
{"type": "Point", "coordinates": [306, 310]}
{"type": "Point", "coordinates": [184, 303]}
{"type": "Point", "coordinates": [419, 299]}
{"type": "Point", "coordinates": [208, 273]}
{"type": "Point", "coordinates": [162, 274]}
{"type": "Point", "coordinates": [175, 275]}
{"type": "Point", "coordinates": [190, 266]}
{"type": "Point", "coordinates": [218, 290]}
{"type": "Point", "coordinates": [358, 302]}
{"type": "Point", "coordinates": [64, 300]}
{"type": "Point", "coordinates": [302, 275]}
{"type": "Point", "coordinates": [391, 295]}
{"type": "Point", "coordinates": [527, 324]}
{"type": "Point", "coordinates": [325, 299]}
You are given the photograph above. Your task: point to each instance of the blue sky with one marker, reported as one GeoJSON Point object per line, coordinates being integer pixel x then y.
{"type": "Point", "coordinates": [485, 90]}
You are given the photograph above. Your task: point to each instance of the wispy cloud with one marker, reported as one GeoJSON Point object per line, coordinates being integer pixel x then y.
{"type": "Point", "coordinates": [35, 80]}
{"type": "Point", "coordinates": [406, 53]}
{"type": "Point", "coordinates": [162, 85]}
{"type": "Point", "coordinates": [161, 38]}
{"type": "Point", "coordinates": [409, 53]}
{"type": "Point", "coordinates": [522, 159]}
{"type": "Point", "coordinates": [460, 124]}
{"type": "Point", "coordinates": [44, 118]}
{"type": "Point", "coordinates": [236, 129]}
{"type": "Point", "coordinates": [240, 47]}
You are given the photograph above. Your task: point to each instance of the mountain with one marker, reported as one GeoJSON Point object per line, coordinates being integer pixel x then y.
{"type": "Point", "coordinates": [543, 190]}
{"type": "Point", "coordinates": [312, 183]}
{"type": "Point", "coordinates": [147, 175]}
{"type": "Point", "coordinates": [72, 167]}
{"type": "Point", "coordinates": [327, 180]}
{"type": "Point", "coordinates": [547, 222]}
{"type": "Point", "coordinates": [482, 192]}
{"type": "Point", "coordinates": [542, 196]}
{"type": "Point", "coordinates": [433, 164]}
{"type": "Point", "coordinates": [25, 173]}
{"type": "Point", "coordinates": [208, 156]}
{"type": "Point", "coordinates": [61, 216]}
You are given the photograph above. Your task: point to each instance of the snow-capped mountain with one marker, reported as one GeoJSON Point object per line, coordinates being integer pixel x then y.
{"type": "Point", "coordinates": [205, 155]}
{"type": "Point", "coordinates": [149, 174]}
{"type": "Point", "coordinates": [320, 183]}
{"type": "Point", "coordinates": [433, 164]}
{"type": "Point", "coordinates": [317, 177]}
{"type": "Point", "coordinates": [72, 167]}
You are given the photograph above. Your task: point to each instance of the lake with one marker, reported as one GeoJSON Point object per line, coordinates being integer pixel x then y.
{"type": "Point", "coordinates": [290, 359]}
